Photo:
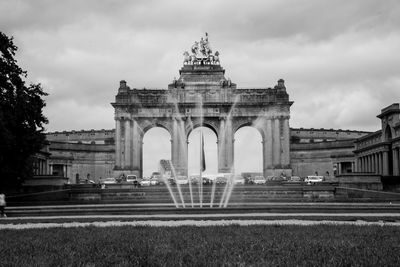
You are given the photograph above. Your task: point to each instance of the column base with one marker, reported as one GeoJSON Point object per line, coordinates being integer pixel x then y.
{"type": "Point", "coordinates": [225, 170]}
{"type": "Point", "coordinates": [179, 172]}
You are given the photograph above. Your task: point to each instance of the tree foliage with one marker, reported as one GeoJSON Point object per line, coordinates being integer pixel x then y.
{"type": "Point", "coordinates": [21, 118]}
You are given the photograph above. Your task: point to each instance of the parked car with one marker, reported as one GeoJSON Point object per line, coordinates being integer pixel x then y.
{"type": "Point", "coordinates": [312, 179]}
{"type": "Point", "coordinates": [110, 180]}
{"type": "Point", "coordinates": [171, 181]}
{"type": "Point", "coordinates": [295, 179]}
{"type": "Point", "coordinates": [181, 180]}
{"type": "Point", "coordinates": [133, 179]}
{"type": "Point", "coordinates": [86, 181]}
{"type": "Point", "coordinates": [145, 182]}
{"type": "Point", "coordinates": [238, 180]}
{"type": "Point", "coordinates": [259, 180]}
{"type": "Point", "coordinates": [248, 180]}
{"type": "Point", "coordinates": [194, 179]}
{"type": "Point", "coordinates": [156, 176]}
{"type": "Point", "coordinates": [207, 180]}
{"type": "Point", "coordinates": [221, 180]}
{"type": "Point", "coordinates": [130, 178]}
{"type": "Point", "coordinates": [154, 181]}
{"type": "Point", "coordinates": [270, 178]}
{"type": "Point", "coordinates": [278, 179]}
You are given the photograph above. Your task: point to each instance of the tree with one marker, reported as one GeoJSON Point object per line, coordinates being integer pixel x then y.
{"type": "Point", "coordinates": [21, 118]}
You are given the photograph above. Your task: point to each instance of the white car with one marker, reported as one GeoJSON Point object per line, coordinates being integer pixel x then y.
{"type": "Point", "coordinates": [181, 180]}
{"type": "Point", "coordinates": [133, 179]}
{"type": "Point", "coordinates": [295, 179]}
{"type": "Point", "coordinates": [312, 179]}
{"type": "Point", "coordinates": [238, 180]}
{"type": "Point", "coordinates": [259, 180]}
{"type": "Point", "coordinates": [154, 181]}
{"type": "Point", "coordinates": [110, 180]}
{"type": "Point", "coordinates": [145, 182]}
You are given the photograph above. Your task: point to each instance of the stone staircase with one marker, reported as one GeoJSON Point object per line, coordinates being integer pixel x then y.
{"type": "Point", "coordinates": [239, 194]}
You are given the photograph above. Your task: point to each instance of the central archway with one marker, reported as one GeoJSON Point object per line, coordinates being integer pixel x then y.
{"type": "Point", "coordinates": [210, 151]}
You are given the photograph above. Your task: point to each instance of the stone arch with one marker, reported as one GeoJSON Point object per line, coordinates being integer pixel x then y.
{"type": "Point", "coordinates": [146, 125]}
{"type": "Point", "coordinates": [207, 124]}
{"type": "Point", "coordinates": [238, 124]}
{"type": "Point", "coordinates": [388, 133]}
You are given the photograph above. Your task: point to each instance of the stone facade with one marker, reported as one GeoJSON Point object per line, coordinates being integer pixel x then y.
{"type": "Point", "coordinates": [81, 161]}
{"type": "Point", "coordinates": [379, 152]}
{"type": "Point", "coordinates": [324, 158]}
{"type": "Point", "coordinates": [202, 96]}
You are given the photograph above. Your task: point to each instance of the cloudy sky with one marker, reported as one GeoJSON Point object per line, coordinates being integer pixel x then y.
{"type": "Point", "coordinates": [340, 59]}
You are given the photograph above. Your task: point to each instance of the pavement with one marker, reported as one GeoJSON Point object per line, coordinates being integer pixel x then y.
{"type": "Point", "coordinates": [188, 222]}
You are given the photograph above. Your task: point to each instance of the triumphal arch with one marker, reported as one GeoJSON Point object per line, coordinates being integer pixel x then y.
{"type": "Point", "coordinates": [202, 96]}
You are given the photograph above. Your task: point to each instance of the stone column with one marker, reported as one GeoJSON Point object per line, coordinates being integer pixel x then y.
{"type": "Point", "coordinates": [174, 143]}
{"type": "Point", "coordinates": [46, 167]}
{"type": "Point", "coordinates": [221, 145]}
{"type": "Point", "coordinates": [369, 163]}
{"type": "Point", "coordinates": [398, 159]}
{"type": "Point", "coordinates": [385, 163]}
{"type": "Point", "coordinates": [225, 146]}
{"type": "Point", "coordinates": [373, 163]}
{"type": "Point", "coordinates": [395, 161]}
{"type": "Point", "coordinates": [128, 144]}
{"type": "Point", "coordinates": [379, 164]}
{"type": "Point", "coordinates": [285, 144]}
{"type": "Point", "coordinates": [141, 158]}
{"type": "Point", "coordinates": [267, 147]}
{"type": "Point", "coordinates": [183, 144]}
{"type": "Point", "coordinates": [179, 147]}
{"type": "Point", "coordinates": [230, 139]}
{"type": "Point", "coordinates": [276, 159]}
{"type": "Point", "coordinates": [137, 149]}
{"type": "Point", "coordinates": [68, 171]}
{"type": "Point", "coordinates": [117, 142]}
{"type": "Point", "coordinates": [339, 164]}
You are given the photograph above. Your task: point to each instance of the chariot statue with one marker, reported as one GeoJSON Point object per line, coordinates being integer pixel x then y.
{"type": "Point", "coordinates": [201, 52]}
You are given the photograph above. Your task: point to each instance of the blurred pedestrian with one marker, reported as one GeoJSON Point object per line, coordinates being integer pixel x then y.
{"type": "Point", "coordinates": [2, 205]}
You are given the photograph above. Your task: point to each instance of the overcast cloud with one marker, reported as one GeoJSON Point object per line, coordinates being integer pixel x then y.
{"type": "Point", "coordinates": [340, 59]}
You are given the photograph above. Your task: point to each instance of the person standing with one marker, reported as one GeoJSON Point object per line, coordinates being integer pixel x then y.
{"type": "Point", "coordinates": [2, 205]}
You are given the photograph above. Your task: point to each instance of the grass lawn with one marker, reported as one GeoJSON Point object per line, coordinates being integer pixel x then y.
{"type": "Point", "coordinates": [321, 245]}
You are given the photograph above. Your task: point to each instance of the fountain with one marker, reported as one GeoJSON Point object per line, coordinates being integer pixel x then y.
{"type": "Point", "coordinates": [193, 90]}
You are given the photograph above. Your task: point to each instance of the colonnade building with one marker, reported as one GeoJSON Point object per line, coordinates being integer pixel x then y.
{"type": "Point", "coordinates": [379, 152]}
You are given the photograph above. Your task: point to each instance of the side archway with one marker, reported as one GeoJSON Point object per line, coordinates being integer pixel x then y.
{"type": "Point", "coordinates": [156, 147]}
{"type": "Point", "coordinates": [248, 151]}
